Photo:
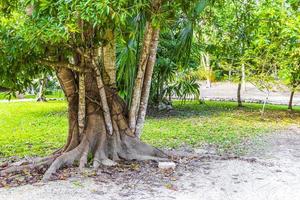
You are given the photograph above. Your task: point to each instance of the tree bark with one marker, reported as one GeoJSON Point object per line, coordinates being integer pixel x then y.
{"type": "Point", "coordinates": [68, 83]}
{"type": "Point", "coordinates": [81, 103]}
{"type": "Point", "coordinates": [109, 59]}
{"type": "Point", "coordinates": [290, 107]}
{"type": "Point", "coordinates": [103, 98]}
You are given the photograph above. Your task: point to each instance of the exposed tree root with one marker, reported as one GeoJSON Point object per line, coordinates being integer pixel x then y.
{"type": "Point", "coordinates": [107, 151]}
{"type": "Point", "coordinates": [67, 158]}
{"type": "Point", "coordinates": [41, 99]}
{"type": "Point", "coordinates": [35, 163]}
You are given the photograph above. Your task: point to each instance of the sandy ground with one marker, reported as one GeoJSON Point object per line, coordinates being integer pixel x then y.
{"type": "Point", "coordinates": [227, 90]}
{"type": "Point", "coordinates": [269, 171]}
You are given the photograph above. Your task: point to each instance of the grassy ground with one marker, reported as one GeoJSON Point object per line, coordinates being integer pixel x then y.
{"type": "Point", "coordinates": [31, 128]}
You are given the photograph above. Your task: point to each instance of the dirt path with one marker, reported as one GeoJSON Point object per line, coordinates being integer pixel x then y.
{"type": "Point", "coordinates": [271, 170]}
{"type": "Point", "coordinates": [228, 90]}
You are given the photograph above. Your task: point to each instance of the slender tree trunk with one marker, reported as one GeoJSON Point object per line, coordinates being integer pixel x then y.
{"type": "Point", "coordinates": [290, 107]}
{"type": "Point", "coordinates": [209, 71]}
{"type": "Point", "coordinates": [42, 88]}
{"type": "Point", "coordinates": [207, 68]}
{"type": "Point", "coordinates": [239, 99]}
{"type": "Point", "coordinates": [265, 102]}
{"type": "Point", "coordinates": [147, 83]}
{"type": "Point", "coordinates": [135, 103]}
{"type": "Point", "coordinates": [243, 78]}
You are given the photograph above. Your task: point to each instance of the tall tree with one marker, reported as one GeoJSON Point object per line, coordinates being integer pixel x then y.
{"type": "Point", "coordinates": [234, 21]}
{"type": "Point", "coordinates": [78, 39]}
{"type": "Point", "coordinates": [274, 50]}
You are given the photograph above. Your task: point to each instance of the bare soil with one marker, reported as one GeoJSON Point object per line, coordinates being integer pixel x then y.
{"type": "Point", "coordinates": [269, 170]}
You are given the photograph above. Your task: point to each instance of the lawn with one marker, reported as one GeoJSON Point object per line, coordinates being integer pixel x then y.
{"type": "Point", "coordinates": [31, 128]}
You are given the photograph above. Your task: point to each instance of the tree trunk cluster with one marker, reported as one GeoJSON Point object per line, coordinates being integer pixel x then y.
{"type": "Point", "coordinates": [100, 123]}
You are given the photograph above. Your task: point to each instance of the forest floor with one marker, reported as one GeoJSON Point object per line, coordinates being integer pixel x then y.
{"type": "Point", "coordinates": [269, 170]}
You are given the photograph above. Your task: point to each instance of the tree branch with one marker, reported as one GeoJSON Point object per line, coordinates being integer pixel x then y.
{"type": "Point", "coordinates": [64, 64]}
{"type": "Point", "coordinates": [102, 93]}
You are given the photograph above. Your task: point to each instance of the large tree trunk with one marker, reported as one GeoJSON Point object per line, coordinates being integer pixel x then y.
{"type": "Point", "coordinates": [99, 120]}
{"type": "Point", "coordinates": [105, 148]}
{"type": "Point", "coordinates": [291, 100]}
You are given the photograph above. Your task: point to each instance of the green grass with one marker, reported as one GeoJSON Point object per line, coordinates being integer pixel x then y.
{"type": "Point", "coordinates": [218, 123]}
{"type": "Point", "coordinates": [31, 128]}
